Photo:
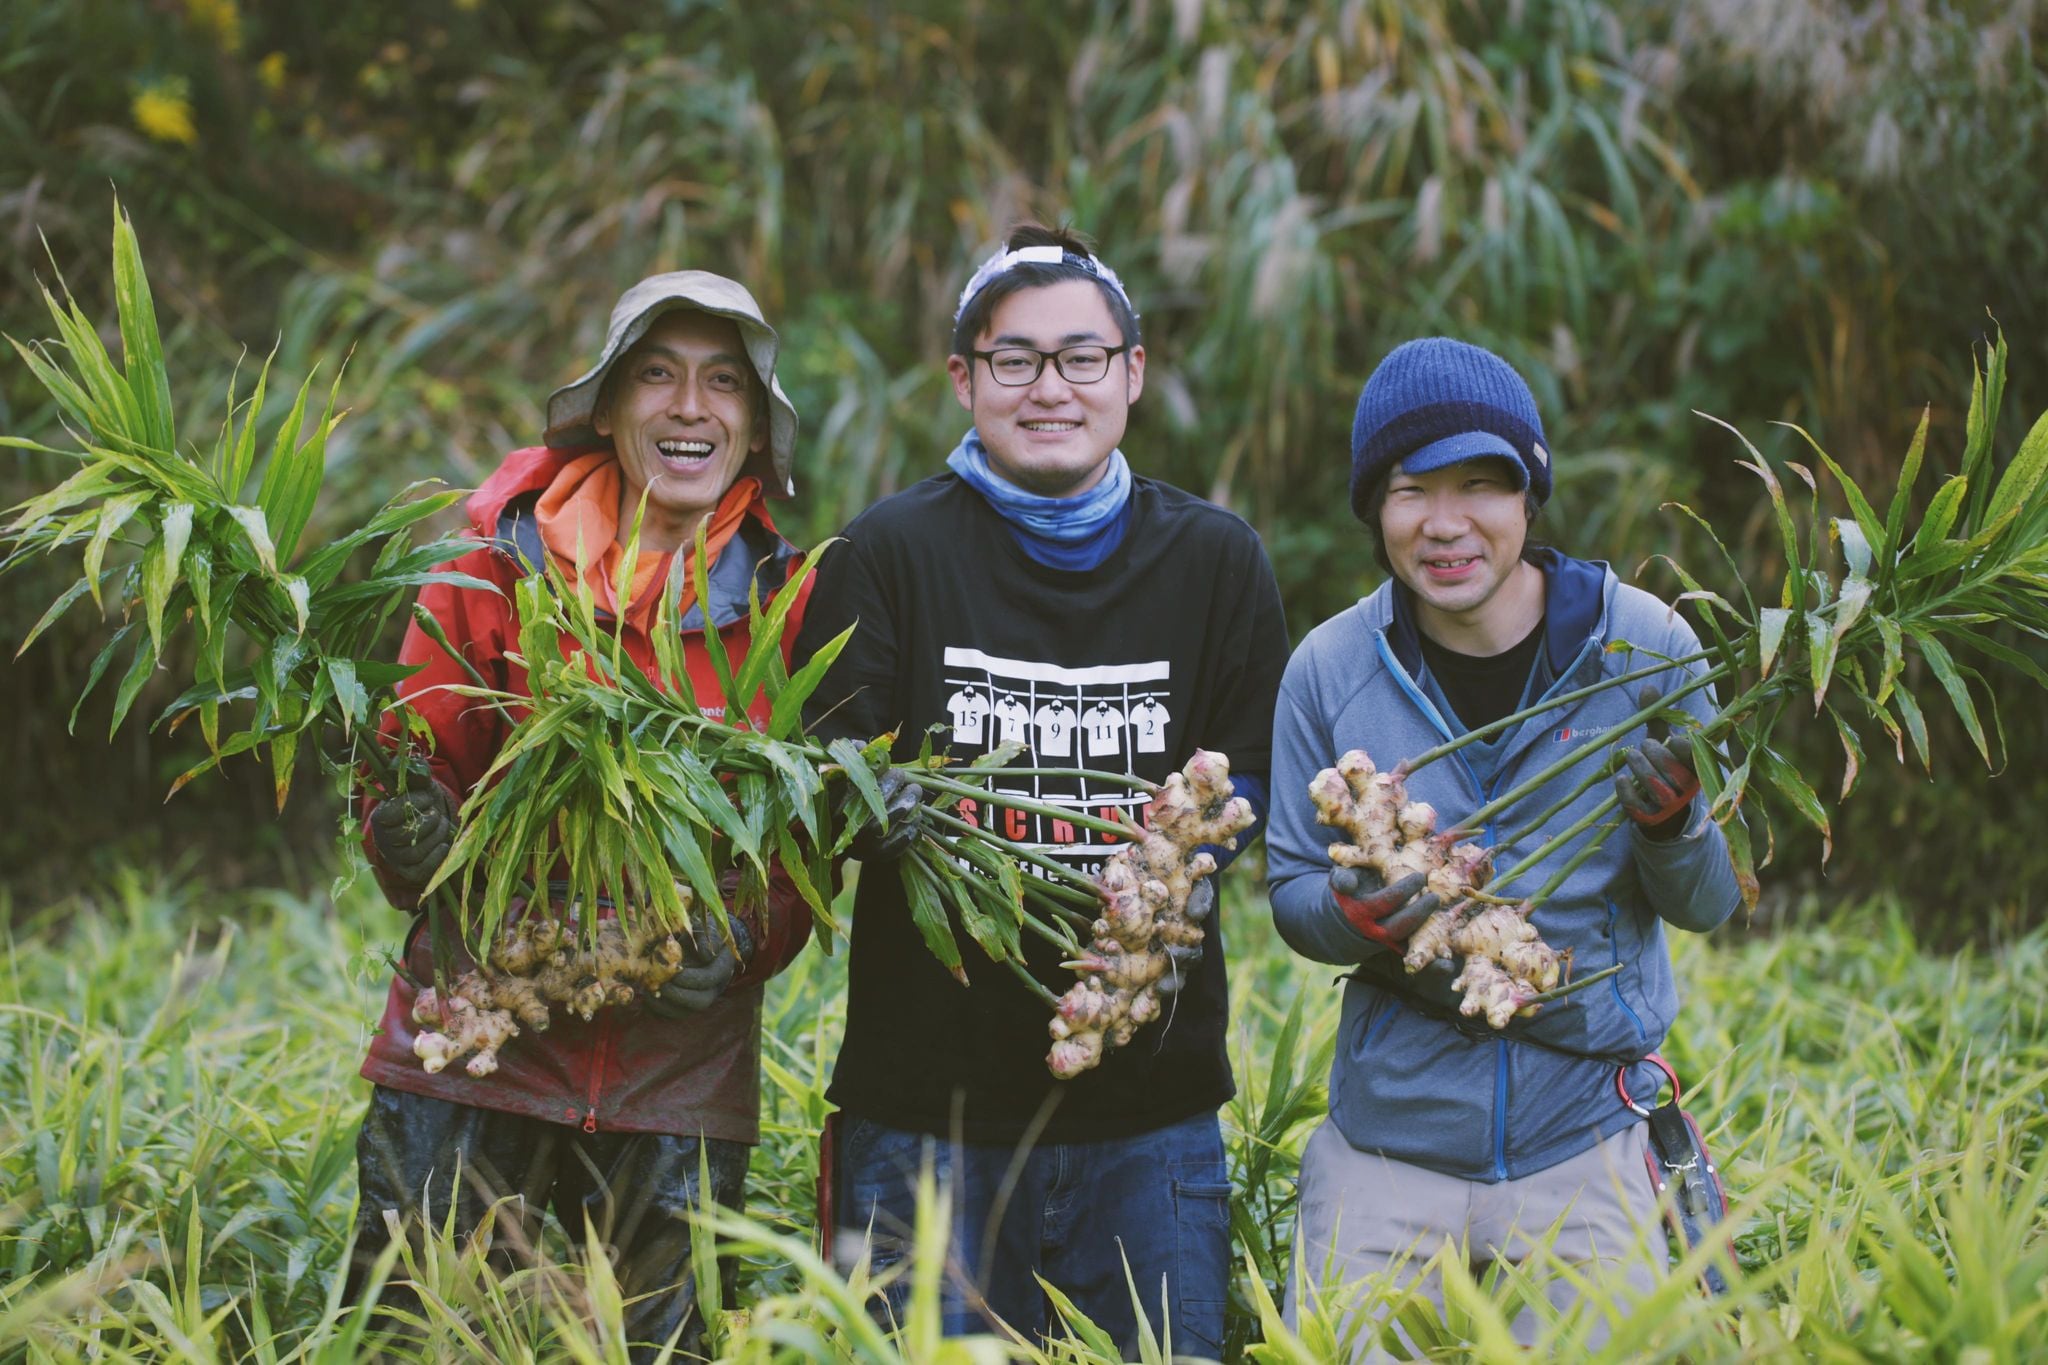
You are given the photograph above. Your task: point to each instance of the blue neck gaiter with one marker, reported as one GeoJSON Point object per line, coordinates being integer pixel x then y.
{"type": "Point", "coordinates": [1076, 533]}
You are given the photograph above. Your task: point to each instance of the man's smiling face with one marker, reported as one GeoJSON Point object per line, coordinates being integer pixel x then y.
{"type": "Point", "coordinates": [1455, 535]}
{"type": "Point", "coordinates": [681, 409]}
{"type": "Point", "coordinates": [1051, 436]}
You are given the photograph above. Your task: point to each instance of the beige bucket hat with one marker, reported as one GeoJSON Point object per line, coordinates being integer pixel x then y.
{"type": "Point", "coordinates": [571, 406]}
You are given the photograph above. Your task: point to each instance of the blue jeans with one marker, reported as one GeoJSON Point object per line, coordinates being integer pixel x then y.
{"type": "Point", "coordinates": [1074, 1212]}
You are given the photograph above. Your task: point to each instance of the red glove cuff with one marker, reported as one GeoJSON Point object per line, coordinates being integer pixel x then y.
{"type": "Point", "coordinates": [1364, 916]}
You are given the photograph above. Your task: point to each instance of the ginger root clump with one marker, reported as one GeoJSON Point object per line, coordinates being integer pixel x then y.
{"type": "Point", "coordinates": [1144, 890]}
{"type": "Point", "coordinates": [1506, 962]}
{"type": "Point", "coordinates": [537, 964]}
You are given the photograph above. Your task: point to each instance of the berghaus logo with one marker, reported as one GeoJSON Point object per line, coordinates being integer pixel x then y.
{"type": "Point", "coordinates": [1570, 732]}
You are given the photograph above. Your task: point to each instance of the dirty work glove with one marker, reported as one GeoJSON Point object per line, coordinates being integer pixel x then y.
{"type": "Point", "coordinates": [1654, 785]}
{"type": "Point", "coordinates": [412, 831]}
{"type": "Point", "coordinates": [903, 799]}
{"type": "Point", "coordinates": [1181, 961]}
{"type": "Point", "coordinates": [709, 966]}
{"type": "Point", "coordinates": [1388, 915]}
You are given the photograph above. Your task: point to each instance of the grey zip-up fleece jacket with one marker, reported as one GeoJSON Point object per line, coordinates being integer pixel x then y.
{"type": "Point", "coordinates": [1410, 1080]}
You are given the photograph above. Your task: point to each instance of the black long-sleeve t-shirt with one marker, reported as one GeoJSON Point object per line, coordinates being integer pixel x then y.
{"type": "Point", "coordinates": [1173, 643]}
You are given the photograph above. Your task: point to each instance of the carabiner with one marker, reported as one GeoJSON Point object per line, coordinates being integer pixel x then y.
{"type": "Point", "coordinates": [1621, 1084]}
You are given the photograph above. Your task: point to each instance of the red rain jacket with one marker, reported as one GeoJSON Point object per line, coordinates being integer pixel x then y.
{"type": "Point", "coordinates": [625, 1069]}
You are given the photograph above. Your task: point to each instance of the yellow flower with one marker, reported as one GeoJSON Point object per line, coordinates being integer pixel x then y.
{"type": "Point", "coordinates": [271, 72]}
{"type": "Point", "coordinates": [163, 112]}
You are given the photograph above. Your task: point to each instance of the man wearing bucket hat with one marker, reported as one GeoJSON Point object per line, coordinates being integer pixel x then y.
{"type": "Point", "coordinates": [1442, 1131]}
{"type": "Point", "coordinates": [610, 1118]}
{"type": "Point", "coordinates": [1039, 592]}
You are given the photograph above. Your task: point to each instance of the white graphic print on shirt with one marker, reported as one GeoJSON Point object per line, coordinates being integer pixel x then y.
{"type": "Point", "coordinates": [1056, 721]}
{"type": "Point", "coordinates": [1013, 716]}
{"type": "Point", "coordinates": [1047, 706]}
{"type": "Point", "coordinates": [1148, 722]}
{"type": "Point", "coordinates": [1104, 728]}
{"type": "Point", "coordinates": [969, 709]}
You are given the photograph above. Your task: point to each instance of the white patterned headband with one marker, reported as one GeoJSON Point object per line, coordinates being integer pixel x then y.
{"type": "Point", "coordinates": [1003, 262]}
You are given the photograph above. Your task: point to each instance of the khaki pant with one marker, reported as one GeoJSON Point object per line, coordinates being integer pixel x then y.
{"type": "Point", "coordinates": [1364, 1215]}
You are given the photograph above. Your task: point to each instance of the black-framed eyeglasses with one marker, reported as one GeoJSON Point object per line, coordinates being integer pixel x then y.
{"type": "Point", "coordinates": [1015, 366]}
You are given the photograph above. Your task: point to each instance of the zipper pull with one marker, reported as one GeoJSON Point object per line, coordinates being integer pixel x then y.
{"type": "Point", "coordinates": [590, 1120]}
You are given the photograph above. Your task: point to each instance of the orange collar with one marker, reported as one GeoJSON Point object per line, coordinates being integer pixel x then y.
{"type": "Point", "coordinates": [578, 516]}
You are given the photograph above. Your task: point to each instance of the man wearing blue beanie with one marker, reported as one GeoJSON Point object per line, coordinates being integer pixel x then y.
{"type": "Point", "coordinates": [1443, 1131]}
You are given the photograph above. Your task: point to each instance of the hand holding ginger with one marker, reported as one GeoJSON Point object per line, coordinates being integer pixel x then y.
{"type": "Point", "coordinates": [1506, 963]}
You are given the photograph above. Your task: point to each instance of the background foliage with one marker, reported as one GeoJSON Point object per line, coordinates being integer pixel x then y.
{"type": "Point", "coordinates": [1796, 210]}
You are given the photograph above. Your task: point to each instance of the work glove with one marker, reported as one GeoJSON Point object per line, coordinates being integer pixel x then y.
{"type": "Point", "coordinates": [903, 801]}
{"type": "Point", "coordinates": [1388, 915]}
{"type": "Point", "coordinates": [413, 830]}
{"type": "Point", "coordinates": [1182, 960]}
{"type": "Point", "coordinates": [709, 966]}
{"type": "Point", "coordinates": [1654, 785]}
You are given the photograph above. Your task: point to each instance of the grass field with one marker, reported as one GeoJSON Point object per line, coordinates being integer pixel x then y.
{"type": "Point", "coordinates": [178, 1104]}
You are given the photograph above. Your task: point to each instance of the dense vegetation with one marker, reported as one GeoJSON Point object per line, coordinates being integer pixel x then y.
{"type": "Point", "coordinates": [1799, 211]}
{"type": "Point", "coordinates": [177, 1123]}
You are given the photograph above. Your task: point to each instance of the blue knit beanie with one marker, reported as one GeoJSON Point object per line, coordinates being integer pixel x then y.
{"type": "Point", "coordinates": [1434, 402]}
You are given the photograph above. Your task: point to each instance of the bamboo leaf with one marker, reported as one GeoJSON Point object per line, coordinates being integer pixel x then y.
{"type": "Point", "coordinates": [1867, 519]}
{"type": "Point", "coordinates": [292, 477]}
{"type": "Point", "coordinates": [349, 692]}
{"type": "Point", "coordinates": [1902, 496]}
{"type": "Point", "coordinates": [94, 480]}
{"type": "Point", "coordinates": [1785, 780]}
{"type": "Point", "coordinates": [1735, 573]}
{"type": "Point", "coordinates": [1894, 656]}
{"type": "Point", "coordinates": [1987, 393]}
{"type": "Point", "coordinates": [301, 598]}
{"type": "Point", "coordinates": [1915, 723]}
{"type": "Point", "coordinates": [2025, 476]}
{"type": "Point", "coordinates": [1852, 753]}
{"type": "Point", "coordinates": [141, 345]}
{"type": "Point", "coordinates": [160, 564]}
{"type": "Point", "coordinates": [242, 459]}
{"type": "Point", "coordinates": [1771, 625]}
{"type": "Point", "coordinates": [95, 672]}
{"type": "Point", "coordinates": [1848, 611]}
{"type": "Point", "coordinates": [56, 610]}
{"type": "Point", "coordinates": [253, 525]}
{"type": "Point", "coordinates": [1941, 515]}
{"type": "Point", "coordinates": [1823, 646]}
{"type": "Point", "coordinates": [139, 669]}
{"type": "Point", "coordinates": [1951, 680]}
{"type": "Point", "coordinates": [2004, 654]}
{"type": "Point", "coordinates": [1855, 543]}
{"type": "Point", "coordinates": [114, 514]}
{"type": "Point", "coordinates": [284, 753]}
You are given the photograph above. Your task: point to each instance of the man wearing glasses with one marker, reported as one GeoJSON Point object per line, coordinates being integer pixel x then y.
{"type": "Point", "coordinates": [1042, 573]}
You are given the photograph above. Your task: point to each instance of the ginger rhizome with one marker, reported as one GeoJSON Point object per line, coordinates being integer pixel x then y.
{"type": "Point", "coordinates": [1144, 890]}
{"type": "Point", "coordinates": [1506, 963]}
{"type": "Point", "coordinates": [536, 965]}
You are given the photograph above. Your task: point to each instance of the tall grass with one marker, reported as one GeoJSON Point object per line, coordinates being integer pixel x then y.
{"type": "Point", "coordinates": [178, 1105]}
